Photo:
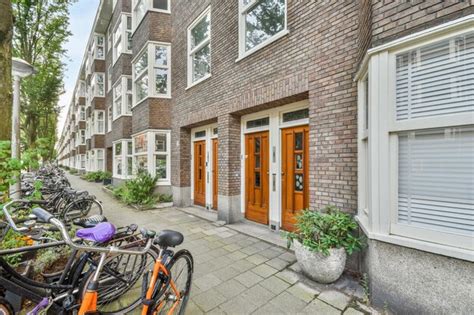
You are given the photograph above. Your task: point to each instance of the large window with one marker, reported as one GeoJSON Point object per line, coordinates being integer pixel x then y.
{"type": "Point", "coordinates": [140, 7]}
{"type": "Point", "coordinates": [109, 118]}
{"type": "Point", "coordinates": [260, 23]}
{"type": "Point", "coordinates": [122, 101]}
{"type": "Point", "coordinates": [82, 113]}
{"type": "Point", "coordinates": [123, 161]}
{"type": "Point", "coordinates": [151, 72]}
{"type": "Point", "coordinates": [99, 121]}
{"type": "Point", "coordinates": [417, 171]}
{"type": "Point", "coordinates": [152, 153]}
{"type": "Point", "coordinates": [199, 48]}
{"type": "Point", "coordinates": [98, 47]}
{"type": "Point", "coordinates": [98, 84]}
{"type": "Point", "coordinates": [122, 36]}
{"type": "Point", "coordinates": [109, 78]}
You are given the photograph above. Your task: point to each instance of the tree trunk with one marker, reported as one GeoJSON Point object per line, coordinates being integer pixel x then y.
{"type": "Point", "coordinates": [6, 32]}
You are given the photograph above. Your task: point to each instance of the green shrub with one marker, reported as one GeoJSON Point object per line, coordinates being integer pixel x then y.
{"type": "Point", "coordinates": [73, 171]}
{"type": "Point", "coordinates": [14, 240]}
{"type": "Point", "coordinates": [166, 198]}
{"type": "Point", "coordinates": [97, 176]}
{"type": "Point", "coordinates": [321, 231]}
{"type": "Point", "coordinates": [138, 191]}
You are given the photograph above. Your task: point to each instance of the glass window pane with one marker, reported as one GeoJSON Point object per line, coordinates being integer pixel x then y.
{"type": "Point", "coordinates": [141, 143]}
{"type": "Point", "coordinates": [201, 31]}
{"type": "Point", "coordinates": [257, 145]}
{"type": "Point", "coordinates": [161, 80]}
{"type": "Point", "coordinates": [299, 182]}
{"type": "Point", "coordinates": [264, 20]}
{"type": "Point", "coordinates": [202, 63]}
{"type": "Point", "coordinates": [160, 4]}
{"type": "Point", "coordinates": [160, 142]}
{"type": "Point", "coordinates": [118, 149]}
{"type": "Point", "coordinates": [258, 122]}
{"type": "Point", "coordinates": [161, 56]}
{"type": "Point", "coordinates": [129, 148]}
{"type": "Point", "coordinates": [296, 115]}
{"type": "Point", "coordinates": [160, 166]}
{"type": "Point", "coordinates": [299, 161]}
{"type": "Point", "coordinates": [141, 63]}
{"type": "Point", "coordinates": [142, 162]}
{"type": "Point", "coordinates": [141, 87]}
{"type": "Point", "coordinates": [118, 162]}
{"type": "Point", "coordinates": [129, 165]}
{"type": "Point", "coordinates": [299, 141]}
{"type": "Point", "coordinates": [257, 179]}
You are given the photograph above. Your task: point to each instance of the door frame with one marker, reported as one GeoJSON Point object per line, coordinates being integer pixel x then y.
{"type": "Point", "coordinates": [209, 135]}
{"type": "Point", "coordinates": [274, 166]}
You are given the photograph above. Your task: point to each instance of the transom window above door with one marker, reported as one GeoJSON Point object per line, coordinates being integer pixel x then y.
{"type": "Point", "coordinates": [260, 23]}
{"type": "Point", "coordinates": [199, 48]}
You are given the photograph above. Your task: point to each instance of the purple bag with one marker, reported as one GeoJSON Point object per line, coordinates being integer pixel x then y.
{"type": "Point", "coordinates": [101, 233]}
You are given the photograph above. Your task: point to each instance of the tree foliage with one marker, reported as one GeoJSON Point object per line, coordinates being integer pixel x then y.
{"type": "Point", "coordinates": [41, 30]}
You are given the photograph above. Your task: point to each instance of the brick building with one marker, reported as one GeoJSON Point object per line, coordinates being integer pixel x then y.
{"type": "Point", "coordinates": [257, 109]}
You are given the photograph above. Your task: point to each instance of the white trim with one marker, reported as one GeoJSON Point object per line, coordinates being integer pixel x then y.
{"type": "Point", "coordinates": [148, 7]}
{"type": "Point", "coordinates": [243, 10]}
{"type": "Point", "coordinates": [192, 51]}
{"type": "Point", "coordinates": [123, 81]}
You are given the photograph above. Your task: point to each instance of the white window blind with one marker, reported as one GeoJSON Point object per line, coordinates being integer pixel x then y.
{"type": "Point", "coordinates": [436, 79]}
{"type": "Point", "coordinates": [436, 179]}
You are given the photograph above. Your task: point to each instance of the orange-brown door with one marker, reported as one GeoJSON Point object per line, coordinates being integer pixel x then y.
{"type": "Point", "coordinates": [200, 173]}
{"type": "Point", "coordinates": [295, 166]}
{"type": "Point", "coordinates": [215, 174]}
{"type": "Point", "coordinates": [256, 177]}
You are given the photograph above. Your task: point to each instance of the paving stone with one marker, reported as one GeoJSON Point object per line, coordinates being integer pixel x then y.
{"type": "Point", "coordinates": [257, 259]}
{"type": "Point", "coordinates": [238, 305]}
{"type": "Point", "coordinates": [193, 309]}
{"type": "Point", "coordinates": [287, 303]}
{"type": "Point", "coordinates": [196, 230]}
{"type": "Point", "coordinates": [335, 298]}
{"type": "Point", "coordinates": [264, 271]}
{"type": "Point", "coordinates": [230, 288]}
{"type": "Point", "coordinates": [237, 255]}
{"type": "Point", "coordinates": [242, 265]}
{"type": "Point", "coordinates": [277, 263]}
{"type": "Point", "coordinates": [209, 300]}
{"type": "Point", "coordinates": [207, 282]}
{"type": "Point", "coordinates": [250, 250]}
{"type": "Point", "coordinates": [210, 232]}
{"type": "Point", "coordinates": [216, 311]}
{"type": "Point", "coordinates": [262, 245]}
{"type": "Point", "coordinates": [225, 234]}
{"type": "Point", "coordinates": [275, 284]}
{"type": "Point", "coordinates": [269, 253]}
{"type": "Point", "coordinates": [231, 247]}
{"type": "Point", "coordinates": [268, 309]}
{"type": "Point", "coordinates": [258, 295]}
{"type": "Point", "coordinates": [226, 273]}
{"type": "Point", "coordinates": [288, 276]}
{"type": "Point", "coordinates": [289, 257]}
{"type": "Point", "coordinates": [319, 307]}
{"type": "Point", "coordinates": [352, 311]}
{"type": "Point", "coordinates": [303, 292]}
{"type": "Point", "coordinates": [248, 279]}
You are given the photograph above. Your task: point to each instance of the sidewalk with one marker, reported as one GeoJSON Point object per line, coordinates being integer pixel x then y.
{"type": "Point", "coordinates": [234, 273]}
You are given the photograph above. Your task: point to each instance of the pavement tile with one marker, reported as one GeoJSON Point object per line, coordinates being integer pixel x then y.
{"type": "Point", "coordinates": [207, 281]}
{"type": "Point", "coordinates": [232, 247]}
{"type": "Point", "coordinates": [288, 304]}
{"type": "Point", "coordinates": [264, 271]}
{"type": "Point", "coordinates": [258, 295]}
{"type": "Point", "coordinates": [288, 276]}
{"type": "Point", "coordinates": [230, 288]}
{"type": "Point", "coordinates": [238, 306]}
{"type": "Point", "coordinates": [193, 309]}
{"type": "Point", "coordinates": [352, 311]}
{"type": "Point", "coordinates": [250, 250]}
{"type": "Point", "coordinates": [216, 311]}
{"type": "Point", "coordinates": [269, 253]}
{"type": "Point", "coordinates": [237, 255]}
{"type": "Point", "coordinates": [248, 279]}
{"type": "Point", "coordinates": [275, 284]}
{"type": "Point", "coordinates": [257, 259]}
{"type": "Point", "coordinates": [210, 232]}
{"type": "Point", "coordinates": [242, 265]}
{"type": "Point", "coordinates": [209, 300]}
{"type": "Point", "coordinates": [226, 273]}
{"type": "Point", "coordinates": [262, 245]}
{"type": "Point", "coordinates": [303, 292]}
{"type": "Point", "coordinates": [225, 234]}
{"type": "Point", "coordinates": [289, 257]}
{"type": "Point", "coordinates": [277, 263]}
{"type": "Point", "coordinates": [319, 307]}
{"type": "Point", "coordinates": [335, 298]}
{"type": "Point", "coordinates": [268, 309]}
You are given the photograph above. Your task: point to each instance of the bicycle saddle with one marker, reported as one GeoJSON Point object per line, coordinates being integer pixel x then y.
{"type": "Point", "coordinates": [168, 238]}
{"type": "Point", "coordinates": [91, 221]}
{"type": "Point", "coordinates": [101, 233]}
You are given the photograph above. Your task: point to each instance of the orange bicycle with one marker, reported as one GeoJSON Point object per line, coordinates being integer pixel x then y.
{"type": "Point", "coordinates": [163, 289]}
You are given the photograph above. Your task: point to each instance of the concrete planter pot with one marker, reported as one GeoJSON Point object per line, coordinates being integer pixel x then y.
{"type": "Point", "coordinates": [320, 268]}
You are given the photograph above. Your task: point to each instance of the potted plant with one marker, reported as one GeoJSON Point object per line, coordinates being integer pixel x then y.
{"type": "Point", "coordinates": [322, 241]}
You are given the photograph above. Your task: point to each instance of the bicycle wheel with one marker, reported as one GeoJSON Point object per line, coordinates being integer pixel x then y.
{"type": "Point", "coordinates": [5, 307]}
{"type": "Point", "coordinates": [181, 268]}
{"type": "Point", "coordinates": [121, 280]}
{"type": "Point", "coordinates": [81, 208]}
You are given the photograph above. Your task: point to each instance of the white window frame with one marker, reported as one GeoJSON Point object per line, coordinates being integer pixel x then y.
{"type": "Point", "coordinates": [82, 113]}
{"type": "Point", "coordinates": [95, 84]}
{"type": "Point", "coordinates": [243, 10]}
{"type": "Point", "coordinates": [381, 222]}
{"type": "Point", "coordinates": [95, 46]}
{"type": "Point", "coordinates": [121, 38]}
{"type": "Point", "coordinates": [192, 51]}
{"type": "Point", "coordinates": [97, 121]}
{"type": "Point", "coordinates": [149, 51]}
{"type": "Point", "coordinates": [123, 157]}
{"type": "Point", "coordinates": [148, 7]}
{"type": "Point", "coordinates": [124, 111]}
{"type": "Point", "coordinates": [109, 38]}
{"type": "Point", "coordinates": [109, 117]}
{"type": "Point", "coordinates": [151, 153]}
{"type": "Point", "coordinates": [82, 136]}
{"type": "Point", "coordinates": [109, 78]}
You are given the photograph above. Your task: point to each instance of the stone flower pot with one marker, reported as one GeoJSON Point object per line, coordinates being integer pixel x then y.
{"type": "Point", "coordinates": [320, 268]}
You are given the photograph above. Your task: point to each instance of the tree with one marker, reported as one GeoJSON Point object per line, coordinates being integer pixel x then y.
{"type": "Point", "coordinates": [6, 31]}
{"type": "Point", "coordinates": [41, 30]}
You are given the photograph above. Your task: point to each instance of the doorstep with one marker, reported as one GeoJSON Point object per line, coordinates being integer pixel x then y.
{"type": "Point", "coordinates": [259, 231]}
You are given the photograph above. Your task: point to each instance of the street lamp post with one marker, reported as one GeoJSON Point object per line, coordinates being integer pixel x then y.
{"type": "Point", "coordinates": [20, 69]}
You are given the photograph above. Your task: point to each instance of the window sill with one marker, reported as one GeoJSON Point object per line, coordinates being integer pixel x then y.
{"type": "Point", "coordinates": [198, 81]}
{"type": "Point", "coordinates": [121, 115]}
{"type": "Point", "coordinates": [262, 45]}
{"type": "Point", "coordinates": [434, 248]}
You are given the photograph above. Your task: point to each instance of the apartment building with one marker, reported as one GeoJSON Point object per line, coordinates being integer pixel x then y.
{"type": "Point", "coordinates": [258, 109]}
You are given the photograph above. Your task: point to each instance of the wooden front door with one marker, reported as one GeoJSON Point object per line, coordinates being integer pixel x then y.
{"type": "Point", "coordinates": [256, 177]}
{"type": "Point", "coordinates": [215, 173]}
{"type": "Point", "coordinates": [295, 166]}
{"type": "Point", "coordinates": [200, 173]}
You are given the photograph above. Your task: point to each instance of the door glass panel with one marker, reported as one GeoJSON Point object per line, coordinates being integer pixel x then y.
{"type": "Point", "coordinates": [299, 141]}
{"type": "Point", "coordinates": [257, 179]}
{"type": "Point", "coordinates": [299, 161]}
{"type": "Point", "coordinates": [298, 182]}
{"type": "Point", "coordinates": [199, 174]}
{"type": "Point", "coordinates": [257, 145]}
{"type": "Point", "coordinates": [257, 161]}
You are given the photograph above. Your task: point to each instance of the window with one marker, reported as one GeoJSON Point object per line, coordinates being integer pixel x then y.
{"type": "Point", "coordinates": [122, 103]}
{"type": "Point", "coordinates": [109, 78]}
{"type": "Point", "coordinates": [199, 48]}
{"type": "Point", "coordinates": [83, 161]}
{"type": "Point", "coordinates": [82, 113]}
{"type": "Point", "coordinates": [152, 152]}
{"type": "Point", "coordinates": [256, 123]}
{"type": "Point", "coordinates": [98, 47]}
{"type": "Point", "coordinates": [140, 7]}
{"type": "Point", "coordinates": [122, 159]}
{"type": "Point", "coordinates": [109, 118]}
{"type": "Point", "coordinates": [117, 99]}
{"type": "Point", "coordinates": [261, 22]}
{"type": "Point", "coordinates": [100, 159]}
{"type": "Point", "coordinates": [97, 84]}
{"type": "Point", "coordinates": [118, 158]}
{"type": "Point", "coordinates": [82, 133]}
{"type": "Point", "coordinates": [416, 172]}
{"type": "Point", "coordinates": [151, 72]}
{"type": "Point", "coordinates": [122, 36]}
{"type": "Point", "coordinates": [109, 38]}
{"type": "Point", "coordinates": [295, 115]}
{"type": "Point", "coordinates": [99, 118]}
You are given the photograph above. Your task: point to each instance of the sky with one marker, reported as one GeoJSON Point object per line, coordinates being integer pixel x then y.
{"type": "Point", "coordinates": [82, 14]}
